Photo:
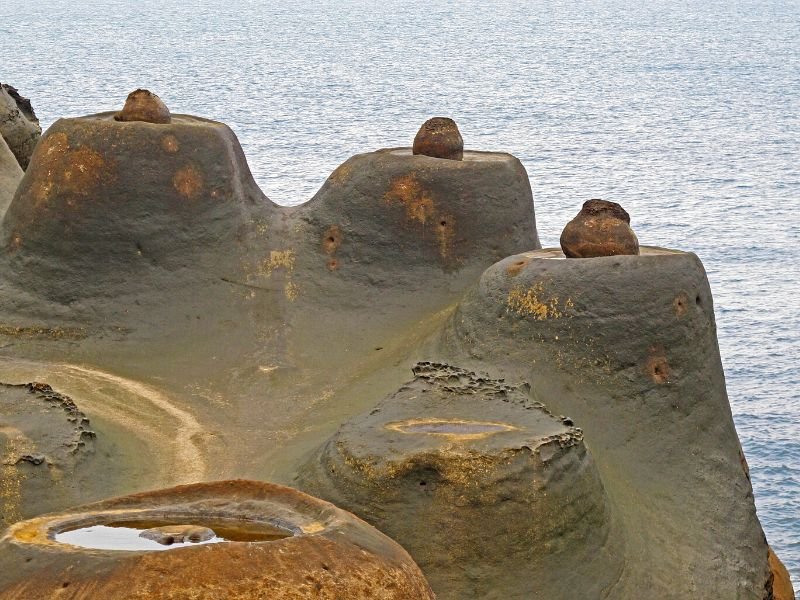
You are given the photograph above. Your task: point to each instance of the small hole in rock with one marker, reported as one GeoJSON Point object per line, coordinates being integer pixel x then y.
{"type": "Point", "coordinates": [698, 300]}
{"type": "Point", "coordinates": [65, 584]}
{"type": "Point", "coordinates": [422, 483]}
{"type": "Point", "coordinates": [443, 223]}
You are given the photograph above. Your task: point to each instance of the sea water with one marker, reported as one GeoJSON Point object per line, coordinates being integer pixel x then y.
{"type": "Point", "coordinates": [687, 112]}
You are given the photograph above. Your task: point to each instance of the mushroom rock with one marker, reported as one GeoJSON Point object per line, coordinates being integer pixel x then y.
{"type": "Point", "coordinates": [182, 280]}
{"type": "Point", "coordinates": [626, 345]}
{"type": "Point", "coordinates": [144, 105]}
{"type": "Point", "coordinates": [439, 137]}
{"type": "Point", "coordinates": [276, 543]}
{"type": "Point", "coordinates": [10, 176]}
{"type": "Point", "coordinates": [18, 124]}
{"type": "Point", "coordinates": [492, 495]}
{"type": "Point", "coordinates": [117, 217]}
{"type": "Point", "coordinates": [601, 228]}
{"type": "Point", "coordinates": [46, 451]}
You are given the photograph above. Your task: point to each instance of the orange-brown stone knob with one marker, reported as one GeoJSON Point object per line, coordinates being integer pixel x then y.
{"type": "Point", "coordinates": [602, 228]}
{"type": "Point", "coordinates": [439, 137]}
{"type": "Point", "coordinates": [144, 105]}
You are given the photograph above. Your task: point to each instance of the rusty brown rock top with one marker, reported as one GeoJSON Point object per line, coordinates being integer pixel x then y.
{"type": "Point", "coordinates": [439, 137]}
{"type": "Point", "coordinates": [601, 228]}
{"type": "Point", "coordinates": [144, 105]}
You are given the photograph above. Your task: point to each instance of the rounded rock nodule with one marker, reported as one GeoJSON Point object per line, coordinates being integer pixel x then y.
{"type": "Point", "coordinates": [144, 105]}
{"type": "Point", "coordinates": [439, 137]}
{"type": "Point", "coordinates": [601, 228]}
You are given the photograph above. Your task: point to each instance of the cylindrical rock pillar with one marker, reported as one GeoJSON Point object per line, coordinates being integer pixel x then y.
{"type": "Point", "coordinates": [626, 345]}
{"type": "Point", "coordinates": [492, 495]}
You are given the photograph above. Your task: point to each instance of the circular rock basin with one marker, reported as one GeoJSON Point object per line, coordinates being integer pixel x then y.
{"type": "Point", "coordinates": [231, 539]}
{"type": "Point", "coordinates": [160, 534]}
{"type": "Point", "coordinates": [450, 427]}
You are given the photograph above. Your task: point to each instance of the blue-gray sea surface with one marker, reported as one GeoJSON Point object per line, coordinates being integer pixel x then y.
{"type": "Point", "coordinates": [687, 112]}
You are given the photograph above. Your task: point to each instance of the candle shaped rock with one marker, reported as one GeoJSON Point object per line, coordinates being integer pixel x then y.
{"type": "Point", "coordinates": [144, 105]}
{"type": "Point", "coordinates": [439, 137]}
{"type": "Point", "coordinates": [602, 228]}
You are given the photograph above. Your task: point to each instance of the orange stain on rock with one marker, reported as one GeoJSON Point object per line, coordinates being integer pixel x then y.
{"type": "Point", "coordinates": [516, 267]}
{"type": "Point", "coordinates": [72, 171]}
{"type": "Point", "coordinates": [681, 304]}
{"type": "Point", "coordinates": [657, 367]}
{"type": "Point", "coordinates": [188, 182]}
{"type": "Point", "coordinates": [420, 208]}
{"type": "Point", "coordinates": [332, 239]}
{"type": "Point", "coordinates": [170, 144]}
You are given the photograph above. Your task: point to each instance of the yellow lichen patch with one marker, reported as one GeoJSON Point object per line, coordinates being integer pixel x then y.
{"type": "Point", "coordinates": [341, 173]}
{"type": "Point", "coordinates": [279, 259]}
{"type": "Point", "coordinates": [291, 290]}
{"type": "Point", "coordinates": [188, 182]}
{"type": "Point", "coordinates": [312, 528]}
{"type": "Point", "coordinates": [55, 333]}
{"type": "Point", "coordinates": [535, 302]}
{"type": "Point", "coordinates": [170, 144]}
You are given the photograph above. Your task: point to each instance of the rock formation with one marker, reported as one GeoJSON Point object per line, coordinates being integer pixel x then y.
{"type": "Point", "coordinates": [492, 495]}
{"type": "Point", "coordinates": [18, 124]}
{"type": "Point", "coordinates": [439, 137]}
{"type": "Point", "coordinates": [208, 333]}
{"type": "Point", "coordinates": [10, 176]}
{"type": "Point", "coordinates": [45, 443]}
{"type": "Point", "coordinates": [602, 228]}
{"type": "Point", "coordinates": [626, 346]}
{"type": "Point", "coordinates": [324, 552]}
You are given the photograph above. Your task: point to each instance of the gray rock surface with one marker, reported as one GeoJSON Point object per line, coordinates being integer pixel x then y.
{"type": "Point", "coordinates": [18, 124]}
{"type": "Point", "coordinates": [627, 347]}
{"type": "Point", "coordinates": [10, 176]}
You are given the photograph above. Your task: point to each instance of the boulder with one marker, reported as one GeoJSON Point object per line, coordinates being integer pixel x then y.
{"type": "Point", "coordinates": [18, 124]}
{"type": "Point", "coordinates": [601, 228]}
{"type": "Point", "coordinates": [439, 137]}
